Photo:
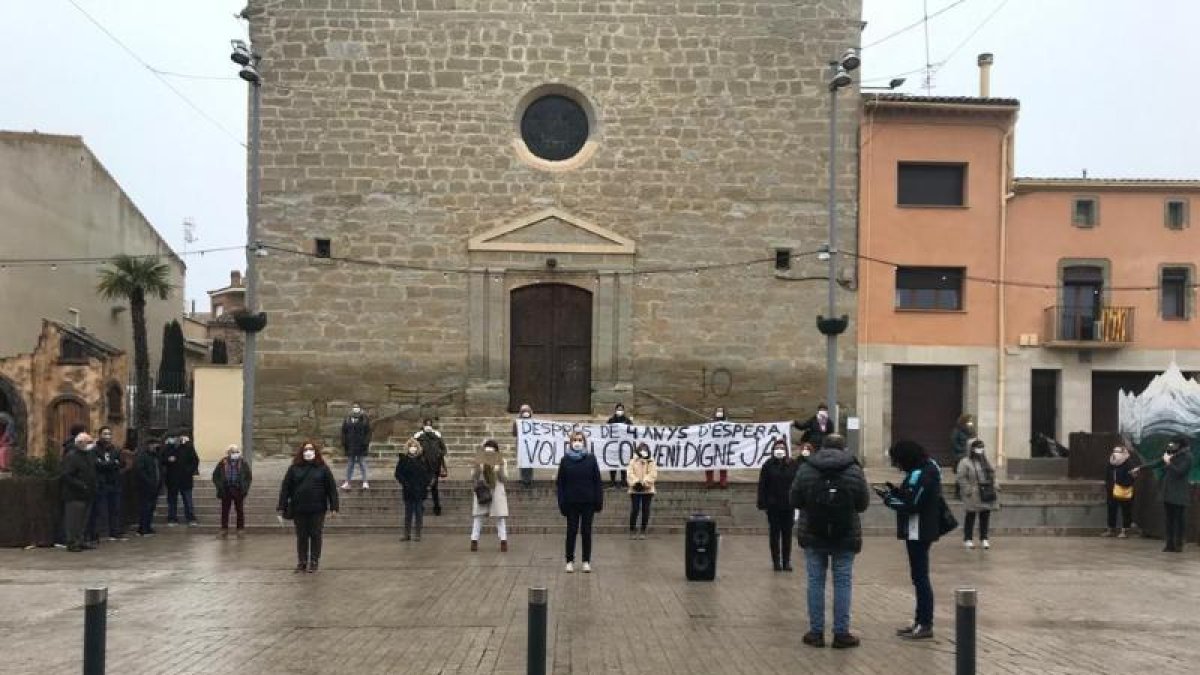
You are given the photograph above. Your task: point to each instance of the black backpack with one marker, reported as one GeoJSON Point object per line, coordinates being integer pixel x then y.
{"type": "Point", "coordinates": [830, 508]}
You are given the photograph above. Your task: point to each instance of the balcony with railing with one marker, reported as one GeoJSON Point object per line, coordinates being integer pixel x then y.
{"type": "Point", "coordinates": [1070, 327]}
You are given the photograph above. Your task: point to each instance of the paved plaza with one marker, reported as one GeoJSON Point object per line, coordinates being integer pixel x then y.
{"type": "Point", "coordinates": [184, 602]}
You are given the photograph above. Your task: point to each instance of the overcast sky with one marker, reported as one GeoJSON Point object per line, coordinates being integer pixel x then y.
{"type": "Point", "coordinates": [1105, 85]}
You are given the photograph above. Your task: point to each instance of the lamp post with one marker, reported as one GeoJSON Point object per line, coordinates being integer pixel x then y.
{"type": "Point", "coordinates": [831, 325]}
{"type": "Point", "coordinates": [250, 322]}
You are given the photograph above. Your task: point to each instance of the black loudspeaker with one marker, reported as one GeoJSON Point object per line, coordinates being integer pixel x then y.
{"type": "Point", "coordinates": [700, 549]}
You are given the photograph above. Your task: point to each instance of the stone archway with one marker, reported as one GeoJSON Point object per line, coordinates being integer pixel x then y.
{"type": "Point", "coordinates": [12, 405]}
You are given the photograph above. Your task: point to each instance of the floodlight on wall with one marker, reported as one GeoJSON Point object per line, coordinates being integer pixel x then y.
{"type": "Point", "coordinates": [241, 53]}
{"type": "Point", "coordinates": [250, 74]}
{"type": "Point", "coordinates": [850, 60]}
{"type": "Point", "coordinates": [896, 82]}
{"type": "Point", "coordinates": [840, 79]}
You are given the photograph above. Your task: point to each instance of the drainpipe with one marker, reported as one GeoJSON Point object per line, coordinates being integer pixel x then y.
{"type": "Point", "coordinates": [1001, 360]}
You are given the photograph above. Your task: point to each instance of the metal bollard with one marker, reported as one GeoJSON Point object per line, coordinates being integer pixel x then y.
{"type": "Point", "coordinates": [537, 631]}
{"type": "Point", "coordinates": [95, 626]}
{"type": "Point", "coordinates": [964, 631]}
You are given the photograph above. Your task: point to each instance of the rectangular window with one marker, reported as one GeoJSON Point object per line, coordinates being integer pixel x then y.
{"type": "Point", "coordinates": [322, 248]}
{"type": "Point", "coordinates": [930, 288]}
{"type": "Point", "coordinates": [1083, 212]}
{"type": "Point", "coordinates": [1174, 292]}
{"type": "Point", "coordinates": [1176, 214]}
{"type": "Point", "coordinates": [931, 184]}
{"type": "Point", "coordinates": [72, 351]}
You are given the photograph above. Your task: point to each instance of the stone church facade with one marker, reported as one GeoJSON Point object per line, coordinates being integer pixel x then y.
{"type": "Point", "coordinates": [559, 202]}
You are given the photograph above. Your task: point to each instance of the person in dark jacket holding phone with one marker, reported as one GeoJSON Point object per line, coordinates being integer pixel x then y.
{"type": "Point", "coordinates": [830, 491]}
{"type": "Point", "coordinates": [413, 475]}
{"type": "Point", "coordinates": [309, 491]}
{"type": "Point", "coordinates": [181, 464]}
{"type": "Point", "coordinates": [1176, 465]}
{"type": "Point", "coordinates": [918, 504]}
{"type": "Point", "coordinates": [147, 469]}
{"type": "Point", "coordinates": [774, 484]}
{"type": "Point", "coordinates": [1119, 478]}
{"type": "Point", "coordinates": [580, 497]}
{"type": "Point", "coordinates": [106, 507]}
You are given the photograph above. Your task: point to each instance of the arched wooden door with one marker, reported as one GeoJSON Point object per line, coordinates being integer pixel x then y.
{"type": "Point", "coordinates": [550, 364]}
{"type": "Point", "coordinates": [65, 413]}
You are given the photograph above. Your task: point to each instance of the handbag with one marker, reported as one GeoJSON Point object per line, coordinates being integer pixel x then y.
{"type": "Point", "coordinates": [987, 493]}
{"type": "Point", "coordinates": [1122, 493]}
{"type": "Point", "coordinates": [639, 487]}
{"type": "Point", "coordinates": [483, 494]}
{"type": "Point", "coordinates": [947, 523]}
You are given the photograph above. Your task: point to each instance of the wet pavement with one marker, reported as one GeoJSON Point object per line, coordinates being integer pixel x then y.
{"type": "Point", "coordinates": [185, 602]}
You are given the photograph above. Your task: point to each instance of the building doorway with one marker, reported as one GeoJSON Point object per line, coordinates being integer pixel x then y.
{"type": "Point", "coordinates": [65, 413]}
{"type": "Point", "coordinates": [1043, 405]}
{"type": "Point", "coordinates": [550, 360]}
{"type": "Point", "coordinates": [926, 403]}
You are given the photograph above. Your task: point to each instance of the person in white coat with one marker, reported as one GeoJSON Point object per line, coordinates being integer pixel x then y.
{"type": "Point", "coordinates": [489, 498]}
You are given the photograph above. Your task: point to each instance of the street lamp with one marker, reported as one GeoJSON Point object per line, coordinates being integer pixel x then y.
{"type": "Point", "coordinates": [831, 326]}
{"type": "Point", "coordinates": [251, 321]}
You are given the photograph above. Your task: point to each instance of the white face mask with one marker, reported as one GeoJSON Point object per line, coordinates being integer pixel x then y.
{"type": "Point", "coordinates": [310, 455]}
{"type": "Point", "coordinates": [428, 428]}
{"type": "Point", "coordinates": [805, 452]}
{"type": "Point", "coordinates": [778, 453]}
{"type": "Point", "coordinates": [720, 415]}
{"type": "Point", "coordinates": [235, 455]}
{"type": "Point", "coordinates": [526, 414]}
{"type": "Point", "coordinates": [821, 414]}
{"type": "Point", "coordinates": [978, 451]}
{"type": "Point", "coordinates": [644, 454]}
{"type": "Point", "coordinates": [620, 412]}
{"type": "Point", "coordinates": [356, 411]}
{"type": "Point", "coordinates": [106, 436]}
{"type": "Point", "coordinates": [577, 446]}
{"type": "Point", "coordinates": [413, 451]}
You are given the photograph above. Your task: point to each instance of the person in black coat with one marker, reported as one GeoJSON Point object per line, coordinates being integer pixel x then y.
{"type": "Point", "coordinates": [814, 429]}
{"type": "Point", "coordinates": [181, 464]}
{"type": "Point", "coordinates": [106, 507]}
{"type": "Point", "coordinates": [1175, 487]}
{"type": "Point", "coordinates": [774, 483]}
{"type": "Point", "coordinates": [918, 504]}
{"type": "Point", "coordinates": [308, 492]}
{"type": "Point", "coordinates": [1119, 478]}
{"type": "Point", "coordinates": [413, 475]}
{"type": "Point", "coordinates": [580, 496]}
{"type": "Point", "coordinates": [78, 487]}
{"type": "Point", "coordinates": [619, 417]}
{"type": "Point", "coordinates": [147, 469]}
{"type": "Point", "coordinates": [433, 453]}
{"type": "Point", "coordinates": [356, 443]}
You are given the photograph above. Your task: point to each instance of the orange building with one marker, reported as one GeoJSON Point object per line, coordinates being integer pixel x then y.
{"type": "Point", "coordinates": [1025, 302]}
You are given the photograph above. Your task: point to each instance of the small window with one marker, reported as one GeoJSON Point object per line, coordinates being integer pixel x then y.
{"type": "Point", "coordinates": [322, 248]}
{"type": "Point", "coordinates": [1177, 214]}
{"type": "Point", "coordinates": [783, 259]}
{"type": "Point", "coordinates": [930, 288]}
{"type": "Point", "coordinates": [1083, 212]}
{"type": "Point", "coordinates": [1174, 292]}
{"type": "Point", "coordinates": [72, 351]}
{"type": "Point", "coordinates": [931, 184]}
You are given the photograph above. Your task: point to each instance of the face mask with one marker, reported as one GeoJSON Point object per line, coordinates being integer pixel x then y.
{"type": "Point", "coordinates": [577, 446]}
{"type": "Point", "coordinates": [779, 454]}
{"type": "Point", "coordinates": [644, 454]}
{"type": "Point", "coordinates": [106, 436]}
{"type": "Point", "coordinates": [413, 451]}
{"type": "Point", "coordinates": [526, 415]}
{"type": "Point", "coordinates": [805, 452]}
{"type": "Point", "coordinates": [821, 414]}
{"type": "Point", "coordinates": [235, 455]}
{"type": "Point", "coordinates": [978, 451]}
{"type": "Point", "coordinates": [428, 429]}
{"type": "Point", "coordinates": [310, 455]}
{"type": "Point", "coordinates": [720, 416]}
{"type": "Point", "coordinates": [488, 448]}
{"type": "Point", "coordinates": [620, 412]}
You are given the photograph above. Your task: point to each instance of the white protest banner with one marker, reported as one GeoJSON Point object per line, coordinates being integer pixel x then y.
{"type": "Point", "coordinates": [715, 445]}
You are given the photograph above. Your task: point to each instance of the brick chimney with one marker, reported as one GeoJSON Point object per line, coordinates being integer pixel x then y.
{"type": "Point", "coordinates": [235, 278]}
{"type": "Point", "coordinates": [985, 74]}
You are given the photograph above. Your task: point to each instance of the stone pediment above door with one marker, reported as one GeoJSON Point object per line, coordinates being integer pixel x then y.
{"type": "Point", "coordinates": [552, 231]}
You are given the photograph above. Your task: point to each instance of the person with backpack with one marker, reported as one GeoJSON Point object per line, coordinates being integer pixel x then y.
{"type": "Point", "coordinates": [774, 482]}
{"type": "Point", "coordinates": [976, 483]}
{"type": "Point", "coordinates": [921, 519]}
{"type": "Point", "coordinates": [830, 490]}
{"type": "Point", "coordinates": [1176, 464]}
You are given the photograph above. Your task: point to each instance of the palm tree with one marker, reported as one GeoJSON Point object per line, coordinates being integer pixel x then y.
{"type": "Point", "coordinates": [134, 278]}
